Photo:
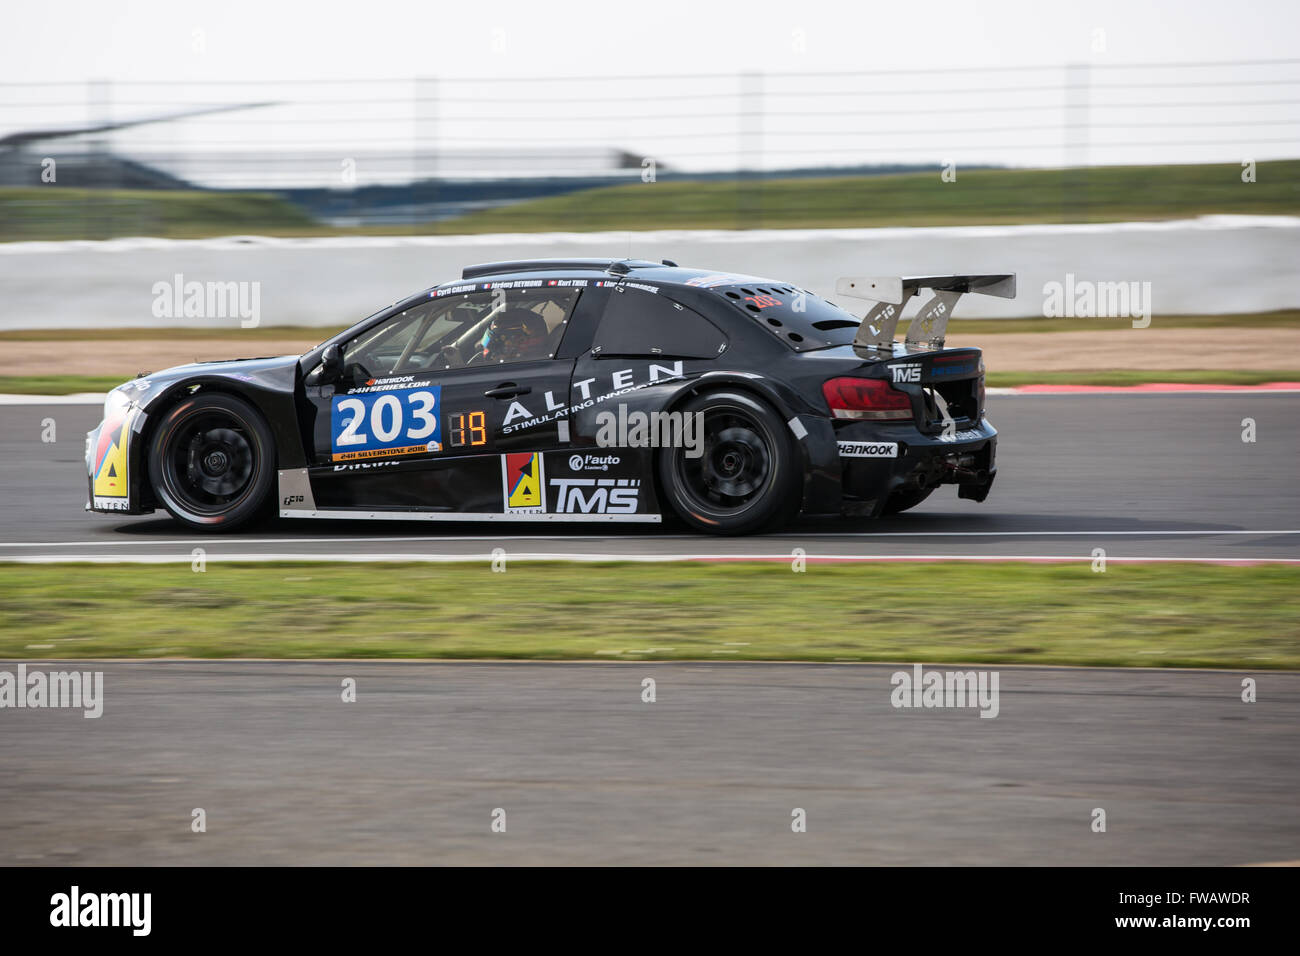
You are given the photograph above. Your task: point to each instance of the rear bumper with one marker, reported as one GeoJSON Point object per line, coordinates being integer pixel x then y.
{"type": "Point", "coordinates": [877, 461]}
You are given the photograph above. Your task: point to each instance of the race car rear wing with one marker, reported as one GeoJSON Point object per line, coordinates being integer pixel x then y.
{"type": "Point", "coordinates": [891, 294]}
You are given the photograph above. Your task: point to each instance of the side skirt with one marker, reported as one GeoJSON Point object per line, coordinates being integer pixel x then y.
{"type": "Point", "coordinates": [297, 501]}
{"type": "Point", "coordinates": [362, 515]}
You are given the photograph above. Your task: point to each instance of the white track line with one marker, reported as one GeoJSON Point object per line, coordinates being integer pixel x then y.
{"type": "Point", "coordinates": [377, 558]}
{"type": "Point", "coordinates": [397, 539]}
{"type": "Point", "coordinates": [76, 398]}
{"type": "Point", "coordinates": [1007, 534]}
{"type": "Point", "coordinates": [393, 539]}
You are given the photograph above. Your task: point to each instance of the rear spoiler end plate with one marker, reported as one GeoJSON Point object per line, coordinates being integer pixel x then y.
{"type": "Point", "coordinates": [929, 327]}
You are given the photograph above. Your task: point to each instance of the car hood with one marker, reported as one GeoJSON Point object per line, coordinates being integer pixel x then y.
{"type": "Point", "coordinates": [277, 373]}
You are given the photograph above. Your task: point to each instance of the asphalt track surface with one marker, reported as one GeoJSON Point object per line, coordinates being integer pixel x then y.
{"type": "Point", "coordinates": [1141, 476]}
{"type": "Point", "coordinates": [586, 772]}
{"type": "Point", "coordinates": [710, 773]}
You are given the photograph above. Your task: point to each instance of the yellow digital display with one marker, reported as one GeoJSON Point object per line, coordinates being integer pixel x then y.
{"type": "Point", "coordinates": [467, 429]}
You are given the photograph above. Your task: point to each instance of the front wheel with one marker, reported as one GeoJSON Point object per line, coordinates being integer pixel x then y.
{"type": "Point", "coordinates": [212, 462]}
{"type": "Point", "coordinates": [748, 475]}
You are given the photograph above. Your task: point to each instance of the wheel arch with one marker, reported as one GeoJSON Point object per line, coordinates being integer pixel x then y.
{"type": "Point", "coordinates": [820, 467]}
{"type": "Point", "coordinates": [159, 405]}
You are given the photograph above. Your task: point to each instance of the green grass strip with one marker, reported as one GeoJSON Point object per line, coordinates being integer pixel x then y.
{"type": "Point", "coordinates": [1172, 615]}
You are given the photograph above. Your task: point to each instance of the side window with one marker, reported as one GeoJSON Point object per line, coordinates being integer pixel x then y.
{"type": "Point", "coordinates": [646, 323]}
{"type": "Point", "coordinates": [468, 329]}
{"type": "Point", "coordinates": [525, 325]}
{"type": "Point", "coordinates": [405, 342]}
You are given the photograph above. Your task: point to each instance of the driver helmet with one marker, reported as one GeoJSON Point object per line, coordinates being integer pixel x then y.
{"type": "Point", "coordinates": [514, 335]}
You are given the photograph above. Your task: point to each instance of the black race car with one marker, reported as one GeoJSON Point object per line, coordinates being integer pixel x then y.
{"type": "Point", "coordinates": [571, 390]}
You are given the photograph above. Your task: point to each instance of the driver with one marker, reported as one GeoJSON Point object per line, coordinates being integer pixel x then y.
{"type": "Point", "coordinates": [515, 335]}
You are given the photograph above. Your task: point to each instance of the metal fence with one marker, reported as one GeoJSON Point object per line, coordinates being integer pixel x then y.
{"type": "Point", "coordinates": [342, 137]}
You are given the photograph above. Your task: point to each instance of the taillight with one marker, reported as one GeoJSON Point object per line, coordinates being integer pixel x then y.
{"type": "Point", "coordinates": [866, 398]}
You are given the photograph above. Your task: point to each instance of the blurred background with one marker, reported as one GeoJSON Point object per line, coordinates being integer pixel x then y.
{"type": "Point", "coordinates": [742, 150]}
{"type": "Point", "coordinates": [1109, 141]}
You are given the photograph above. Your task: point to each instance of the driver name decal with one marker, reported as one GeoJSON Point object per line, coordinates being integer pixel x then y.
{"type": "Point", "coordinates": [386, 423]}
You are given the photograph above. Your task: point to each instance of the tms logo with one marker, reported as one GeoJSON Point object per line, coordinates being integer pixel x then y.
{"type": "Point", "coordinates": [613, 496]}
{"type": "Point", "coordinates": [906, 373]}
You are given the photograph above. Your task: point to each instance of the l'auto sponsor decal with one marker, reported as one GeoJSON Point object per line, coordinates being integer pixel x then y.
{"type": "Point", "coordinates": [868, 449]}
{"type": "Point", "coordinates": [397, 420]}
{"type": "Point", "coordinates": [592, 462]}
{"type": "Point", "coordinates": [523, 483]}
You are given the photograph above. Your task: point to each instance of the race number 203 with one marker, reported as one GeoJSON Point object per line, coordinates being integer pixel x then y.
{"type": "Point", "coordinates": [384, 424]}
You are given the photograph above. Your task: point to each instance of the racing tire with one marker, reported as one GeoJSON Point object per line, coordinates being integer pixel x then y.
{"type": "Point", "coordinates": [747, 478]}
{"type": "Point", "coordinates": [902, 500]}
{"type": "Point", "coordinates": [212, 462]}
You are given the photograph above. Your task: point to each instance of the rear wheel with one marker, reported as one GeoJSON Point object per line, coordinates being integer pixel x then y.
{"type": "Point", "coordinates": [747, 478]}
{"type": "Point", "coordinates": [902, 500]}
{"type": "Point", "coordinates": [212, 462]}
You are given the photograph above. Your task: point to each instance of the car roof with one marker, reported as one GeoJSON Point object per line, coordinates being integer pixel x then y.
{"type": "Point", "coordinates": [743, 293]}
{"type": "Point", "coordinates": [612, 270]}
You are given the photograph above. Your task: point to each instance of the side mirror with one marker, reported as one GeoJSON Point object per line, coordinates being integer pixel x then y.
{"type": "Point", "coordinates": [331, 364]}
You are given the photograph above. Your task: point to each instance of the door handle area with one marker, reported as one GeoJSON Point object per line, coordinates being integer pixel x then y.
{"type": "Point", "coordinates": [508, 390]}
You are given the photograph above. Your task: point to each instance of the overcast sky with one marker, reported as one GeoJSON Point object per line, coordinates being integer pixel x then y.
{"type": "Point", "coordinates": [919, 108]}
{"type": "Point", "coordinates": [155, 39]}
